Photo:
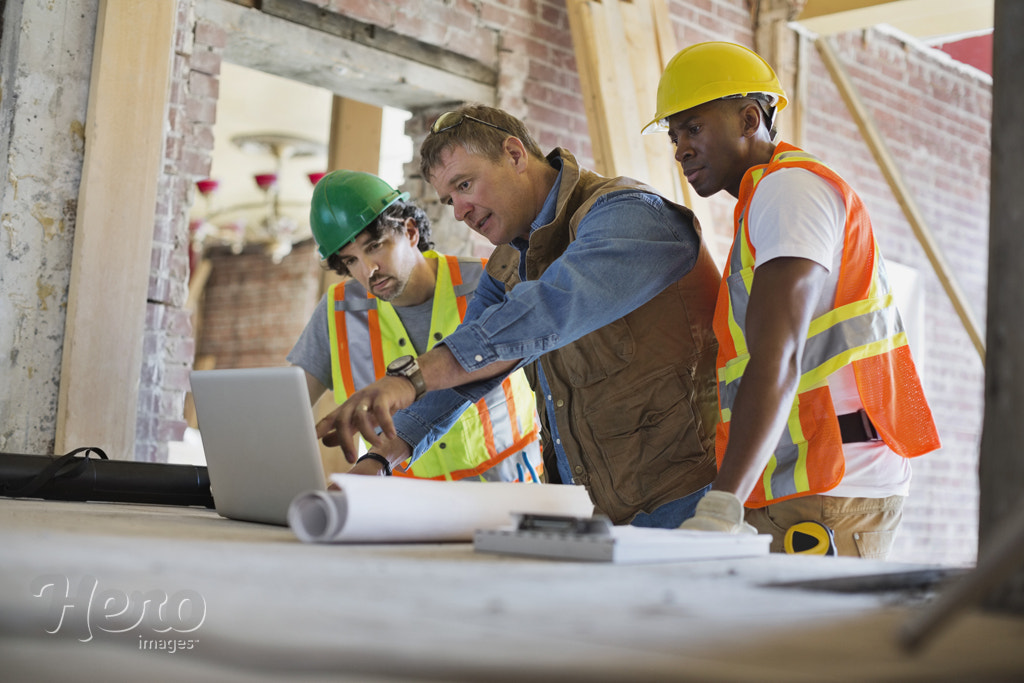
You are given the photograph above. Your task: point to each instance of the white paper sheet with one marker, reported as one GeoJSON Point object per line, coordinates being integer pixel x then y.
{"type": "Point", "coordinates": [625, 544]}
{"type": "Point", "coordinates": [399, 510]}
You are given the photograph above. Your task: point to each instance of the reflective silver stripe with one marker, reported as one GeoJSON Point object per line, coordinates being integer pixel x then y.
{"type": "Point", "coordinates": [360, 349]}
{"type": "Point", "coordinates": [787, 455]}
{"type": "Point", "coordinates": [849, 334]}
{"type": "Point", "coordinates": [736, 260]}
{"type": "Point", "coordinates": [727, 391]}
{"type": "Point", "coordinates": [356, 304]}
{"type": "Point", "coordinates": [470, 271]}
{"type": "Point", "coordinates": [357, 327]}
{"type": "Point", "coordinates": [464, 289]}
{"type": "Point", "coordinates": [739, 297]}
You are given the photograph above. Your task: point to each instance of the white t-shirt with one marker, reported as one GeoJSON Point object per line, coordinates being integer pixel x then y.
{"type": "Point", "coordinates": [797, 213]}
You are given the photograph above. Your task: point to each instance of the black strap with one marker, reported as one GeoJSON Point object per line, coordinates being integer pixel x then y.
{"type": "Point", "coordinates": [379, 458]}
{"type": "Point", "coordinates": [857, 427]}
{"type": "Point", "coordinates": [66, 465]}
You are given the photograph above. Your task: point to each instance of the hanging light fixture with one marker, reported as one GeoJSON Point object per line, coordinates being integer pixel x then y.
{"type": "Point", "coordinates": [275, 228]}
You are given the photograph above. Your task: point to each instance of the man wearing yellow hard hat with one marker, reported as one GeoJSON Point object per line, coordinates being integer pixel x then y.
{"type": "Point", "coordinates": [820, 404]}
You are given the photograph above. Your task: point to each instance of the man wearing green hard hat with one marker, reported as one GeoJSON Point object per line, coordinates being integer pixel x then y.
{"type": "Point", "coordinates": [398, 300]}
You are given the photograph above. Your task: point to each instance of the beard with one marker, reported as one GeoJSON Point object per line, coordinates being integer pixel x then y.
{"type": "Point", "coordinates": [393, 288]}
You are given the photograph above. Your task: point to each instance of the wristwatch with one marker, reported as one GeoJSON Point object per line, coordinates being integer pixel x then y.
{"type": "Point", "coordinates": [407, 367]}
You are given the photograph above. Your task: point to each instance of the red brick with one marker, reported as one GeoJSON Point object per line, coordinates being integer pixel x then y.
{"type": "Point", "coordinates": [201, 110]}
{"type": "Point", "coordinates": [206, 60]}
{"type": "Point", "coordinates": [209, 34]}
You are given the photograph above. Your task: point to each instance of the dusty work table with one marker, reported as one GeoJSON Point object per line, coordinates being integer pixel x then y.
{"type": "Point", "coordinates": [273, 608]}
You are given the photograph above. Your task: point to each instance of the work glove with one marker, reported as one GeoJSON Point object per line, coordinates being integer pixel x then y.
{"type": "Point", "coordinates": [719, 511]}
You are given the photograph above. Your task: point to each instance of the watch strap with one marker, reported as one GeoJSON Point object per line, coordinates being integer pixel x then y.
{"type": "Point", "coordinates": [413, 374]}
{"type": "Point", "coordinates": [379, 458]}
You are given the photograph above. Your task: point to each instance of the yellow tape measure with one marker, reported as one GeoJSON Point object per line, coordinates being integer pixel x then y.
{"type": "Point", "coordinates": [809, 538]}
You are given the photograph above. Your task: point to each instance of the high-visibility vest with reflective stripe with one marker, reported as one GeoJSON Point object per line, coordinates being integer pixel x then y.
{"type": "Point", "coordinates": [363, 327]}
{"type": "Point", "coordinates": [863, 329]}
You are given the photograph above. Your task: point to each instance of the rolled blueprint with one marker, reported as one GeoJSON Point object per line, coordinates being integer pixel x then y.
{"type": "Point", "coordinates": [401, 510]}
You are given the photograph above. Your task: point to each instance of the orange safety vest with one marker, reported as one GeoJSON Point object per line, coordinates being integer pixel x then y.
{"type": "Point", "coordinates": [498, 426]}
{"type": "Point", "coordinates": [863, 329]}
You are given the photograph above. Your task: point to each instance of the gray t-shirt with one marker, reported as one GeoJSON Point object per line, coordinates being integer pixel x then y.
{"type": "Point", "coordinates": [312, 351]}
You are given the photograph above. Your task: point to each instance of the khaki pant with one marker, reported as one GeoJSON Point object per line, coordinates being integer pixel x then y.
{"type": "Point", "coordinates": [863, 527]}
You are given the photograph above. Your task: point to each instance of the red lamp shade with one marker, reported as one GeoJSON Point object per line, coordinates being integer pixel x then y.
{"type": "Point", "coordinates": [265, 180]}
{"type": "Point", "coordinates": [207, 186]}
{"type": "Point", "coordinates": [314, 178]}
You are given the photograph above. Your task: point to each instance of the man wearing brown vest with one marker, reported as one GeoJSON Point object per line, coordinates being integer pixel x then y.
{"type": "Point", "coordinates": [602, 289]}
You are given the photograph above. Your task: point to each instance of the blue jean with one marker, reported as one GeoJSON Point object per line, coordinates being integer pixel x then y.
{"type": "Point", "coordinates": [671, 515]}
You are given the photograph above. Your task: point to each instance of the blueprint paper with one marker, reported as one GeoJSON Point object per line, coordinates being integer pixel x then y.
{"type": "Point", "coordinates": [400, 510]}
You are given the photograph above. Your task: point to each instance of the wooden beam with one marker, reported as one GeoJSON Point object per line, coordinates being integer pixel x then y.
{"type": "Point", "coordinates": [779, 44]}
{"type": "Point", "coordinates": [355, 136]}
{"type": "Point", "coordinates": [298, 40]}
{"type": "Point", "coordinates": [920, 18]}
{"type": "Point", "coordinates": [597, 81]}
{"type": "Point", "coordinates": [906, 201]}
{"type": "Point", "coordinates": [102, 353]}
{"type": "Point", "coordinates": [622, 47]}
{"type": "Point", "coordinates": [821, 8]}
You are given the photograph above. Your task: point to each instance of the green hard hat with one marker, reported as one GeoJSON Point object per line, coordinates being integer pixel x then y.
{"type": "Point", "coordinates": [344, 203]}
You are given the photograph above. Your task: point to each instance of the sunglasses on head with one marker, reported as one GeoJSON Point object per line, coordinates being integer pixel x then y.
{"type": "Point", "coordinates": [454, 119]}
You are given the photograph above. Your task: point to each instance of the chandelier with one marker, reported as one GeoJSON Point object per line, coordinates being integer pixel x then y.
{"type": "Point", "coordinates": [268, 220]}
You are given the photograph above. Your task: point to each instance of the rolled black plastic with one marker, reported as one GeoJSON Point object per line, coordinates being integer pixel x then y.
{"type": "Point", "coordinates": [92, 479]}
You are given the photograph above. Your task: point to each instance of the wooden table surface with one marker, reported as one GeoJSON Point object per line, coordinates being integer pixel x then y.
{"type": "Point", "coordinates": [81, 583]}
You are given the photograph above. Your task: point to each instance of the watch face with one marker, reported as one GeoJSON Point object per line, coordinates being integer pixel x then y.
{"type": "Point", "coordinates": [407, 367]}
{"type": "Point", "coordinates": [401, 364]}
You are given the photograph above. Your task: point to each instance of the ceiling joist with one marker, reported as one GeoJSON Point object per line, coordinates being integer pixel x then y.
{"type": "Point", "coordinates": [918, 18]}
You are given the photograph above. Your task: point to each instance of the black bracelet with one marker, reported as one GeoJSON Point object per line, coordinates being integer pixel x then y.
{"type": "Point", "coordinates": [379, 458]}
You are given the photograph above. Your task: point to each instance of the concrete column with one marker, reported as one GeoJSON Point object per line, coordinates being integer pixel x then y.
{"type": "Point", "coordinates": [1002, 447]}
{"type": "Point", "coordinates": [44, 89]}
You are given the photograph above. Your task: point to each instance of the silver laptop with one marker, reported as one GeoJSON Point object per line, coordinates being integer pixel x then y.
{"type": "Point", "coordinates": [260, 441]}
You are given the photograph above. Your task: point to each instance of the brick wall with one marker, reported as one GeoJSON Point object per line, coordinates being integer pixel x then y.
{"type": "Point", "coordinates": [169, 347]}
{"type": "Point", "coordinates": [933, 113]}
{"type": "Point", "coordinates": [253, 309]}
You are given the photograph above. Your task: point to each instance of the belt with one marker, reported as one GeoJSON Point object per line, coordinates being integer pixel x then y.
{"type": "Point", "coordinates": [857, 427]}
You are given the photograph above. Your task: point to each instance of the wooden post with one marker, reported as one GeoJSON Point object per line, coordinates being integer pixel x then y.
{"type": "Point", "coordinates": [102, 355]}
{"type": "Point", "coordinates": [354, 145]}
{"type": "Point", "coordinates": [781, 47]}
{"type": "Point", "coordinates": [621, 49]}
{"type": "Point", "coordinates": [906, 201]}
{"type": "Point", "coordinates": [1002, 445]}
{"type": "Point", "coordinates": [355, 136]}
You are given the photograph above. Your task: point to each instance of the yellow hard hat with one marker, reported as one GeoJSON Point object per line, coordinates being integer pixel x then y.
{"type": "Point", "coordinates": [710, 71]}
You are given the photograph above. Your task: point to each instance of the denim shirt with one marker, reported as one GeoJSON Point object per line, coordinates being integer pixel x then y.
{"type": "Point", "coordinates": [629, 247]}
